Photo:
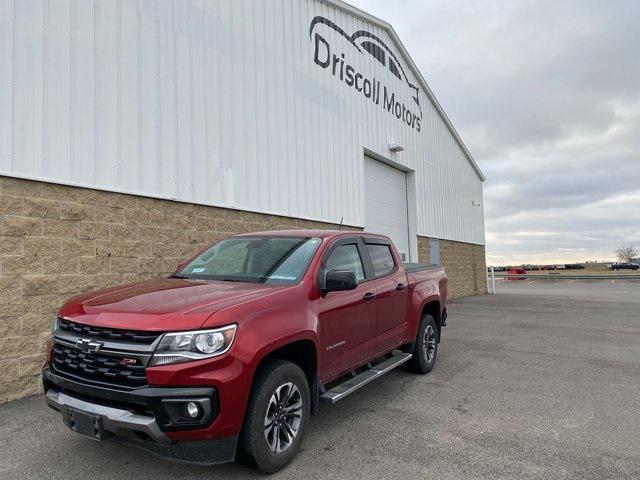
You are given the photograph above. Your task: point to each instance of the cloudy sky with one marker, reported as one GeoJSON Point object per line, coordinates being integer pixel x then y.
{"type": "Point", "coordinates": [546, 95]}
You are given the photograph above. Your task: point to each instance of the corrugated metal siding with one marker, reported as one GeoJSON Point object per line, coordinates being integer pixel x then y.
{"type": "Point", "coordinates": [215, 102]}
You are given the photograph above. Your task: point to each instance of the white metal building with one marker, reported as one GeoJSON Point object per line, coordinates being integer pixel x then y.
{"type": "Point", "coordinates": [283, 107]}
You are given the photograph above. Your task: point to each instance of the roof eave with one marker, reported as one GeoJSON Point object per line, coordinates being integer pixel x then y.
{"type": "Point", "coordinates": [390, 30]}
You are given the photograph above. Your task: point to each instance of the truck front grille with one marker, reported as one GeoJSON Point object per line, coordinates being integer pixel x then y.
{"type": "Point", "coordinates": [111, 334]}
{"type": "Point", "coordinates": [117, 371]}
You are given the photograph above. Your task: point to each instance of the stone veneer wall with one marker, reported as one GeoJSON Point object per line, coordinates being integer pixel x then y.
{"type": "Point", "coordinates": [464, 263]}
{"type": "Point", "coordinates": [58, 241]}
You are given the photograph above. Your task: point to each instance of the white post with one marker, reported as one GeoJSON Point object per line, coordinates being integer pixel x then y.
{"type": "Point", "coordinates": [493, 280]}
{"type": "Point", "coordinates": [486, 271]}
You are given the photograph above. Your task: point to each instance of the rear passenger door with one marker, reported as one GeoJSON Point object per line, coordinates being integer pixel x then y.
{"type": "Point", "coordinates": [391, 288]}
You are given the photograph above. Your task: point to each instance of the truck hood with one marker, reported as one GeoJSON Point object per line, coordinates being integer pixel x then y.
{"type": "Point", "coordinates": [163, 304]}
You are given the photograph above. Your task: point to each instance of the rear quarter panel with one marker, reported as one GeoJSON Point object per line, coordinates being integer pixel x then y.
{"type": "Point", "coordinates": [425, 286]}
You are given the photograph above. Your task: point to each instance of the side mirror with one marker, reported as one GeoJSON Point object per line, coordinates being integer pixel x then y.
{"type": "Point", "coordinates": [340, 280]}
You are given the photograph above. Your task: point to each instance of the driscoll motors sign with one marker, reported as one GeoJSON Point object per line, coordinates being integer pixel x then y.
{"type": "Point", "coordinates": [402, 99]}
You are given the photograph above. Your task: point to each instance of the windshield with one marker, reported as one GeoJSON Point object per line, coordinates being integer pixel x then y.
{"type": "Point", "coordinates": [270, 260]}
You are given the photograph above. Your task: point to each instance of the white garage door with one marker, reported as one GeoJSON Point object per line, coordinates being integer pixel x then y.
{"type": "Point", "coordinates": [386, 203]}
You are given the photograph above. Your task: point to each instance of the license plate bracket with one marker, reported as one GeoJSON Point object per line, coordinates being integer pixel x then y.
{"type": "Point", "coordinates": [85, 423]}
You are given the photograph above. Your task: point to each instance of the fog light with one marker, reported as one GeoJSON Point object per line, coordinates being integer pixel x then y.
{"type": "Point", "coordinates": [193, 410]}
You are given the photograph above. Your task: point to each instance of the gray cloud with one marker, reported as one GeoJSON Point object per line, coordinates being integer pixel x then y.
{"type": "Point", "coordinates": [546, 95]}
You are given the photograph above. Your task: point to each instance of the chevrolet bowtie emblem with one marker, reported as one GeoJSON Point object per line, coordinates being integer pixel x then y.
{"type": "Point", "coordinates": [87, 345]}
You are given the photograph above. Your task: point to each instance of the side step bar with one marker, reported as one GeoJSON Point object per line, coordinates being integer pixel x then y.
{"type": "Point", "coordinates": [354, 383]}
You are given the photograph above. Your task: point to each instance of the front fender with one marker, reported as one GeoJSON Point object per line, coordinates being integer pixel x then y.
{"type": "Point", "coordinates": [264, 325]}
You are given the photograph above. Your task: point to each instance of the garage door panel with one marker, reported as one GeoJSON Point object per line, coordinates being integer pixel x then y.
{"type": "Point", "coordinates": [390, 213]}
{"type": "Point", "coordinates": [395, 203]}
{"type": "Point", "coordinates": [397, 228]}
{"type": "Point", "coordinates": [386, 202]}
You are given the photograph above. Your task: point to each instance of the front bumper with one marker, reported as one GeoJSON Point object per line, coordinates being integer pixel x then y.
{"type": "Point", "coordinates": [143, 417]}
{"type": "Point", "coordinates": [115, 420]}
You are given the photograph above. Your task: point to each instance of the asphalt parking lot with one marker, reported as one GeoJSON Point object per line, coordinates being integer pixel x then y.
{"type": "Point", "coordinates": [541, 380]}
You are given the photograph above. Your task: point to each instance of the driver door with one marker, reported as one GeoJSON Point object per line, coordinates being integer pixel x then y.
{"type": "Point", "coordinates": [347, 320]}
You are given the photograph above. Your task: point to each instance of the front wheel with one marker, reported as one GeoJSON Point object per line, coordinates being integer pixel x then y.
{"type": "Point", "coordinates": [425, 348]}
{"type": "Point", "coordinates": [276, 417]}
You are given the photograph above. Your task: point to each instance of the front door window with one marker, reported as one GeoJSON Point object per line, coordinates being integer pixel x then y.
{"type": "Point", "coordinates": [346, 258]}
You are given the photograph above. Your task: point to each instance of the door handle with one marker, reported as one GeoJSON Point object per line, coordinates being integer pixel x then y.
{"type": "Point", "coordinates": [400, 286]}
{"type": "Point", "coordinates": [368, 296]}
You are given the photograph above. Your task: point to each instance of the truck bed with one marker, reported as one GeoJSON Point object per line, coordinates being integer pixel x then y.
{"type": "Point", "coordinates": [416, 267]}
{"type": "Point", "coordinates": [418, 274]}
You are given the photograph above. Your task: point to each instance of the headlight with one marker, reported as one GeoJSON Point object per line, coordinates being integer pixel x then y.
{"type": "Point", "coordinates": [54, 327]}
{"type": "Point", "coordinates": [193, 345]}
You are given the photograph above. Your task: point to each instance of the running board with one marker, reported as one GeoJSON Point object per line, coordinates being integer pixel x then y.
{"type": "Point", "coordinates": [354, 383]}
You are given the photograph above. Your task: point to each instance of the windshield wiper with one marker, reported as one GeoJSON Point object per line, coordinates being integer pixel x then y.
{"type": "Point", "coordinates": [175, 275]}
{"type": "Point", "coordinates": [240, 279]}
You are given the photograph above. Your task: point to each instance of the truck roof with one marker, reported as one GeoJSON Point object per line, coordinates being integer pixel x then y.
{"type": "Point", "coordinates": [309, 233]}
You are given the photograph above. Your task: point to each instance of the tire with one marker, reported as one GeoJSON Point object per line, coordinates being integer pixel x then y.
{"type": "Point", "coordinates": [424, 359]}
{"type": "Point", "coordinates": [270, 448]}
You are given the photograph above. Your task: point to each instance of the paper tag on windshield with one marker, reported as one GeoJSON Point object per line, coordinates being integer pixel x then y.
{"type": "Point", "coordinates": [197, 270]}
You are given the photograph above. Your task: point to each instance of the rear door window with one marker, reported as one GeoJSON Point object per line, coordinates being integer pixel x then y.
{"type": "Point", "coordinates": [381, 259]}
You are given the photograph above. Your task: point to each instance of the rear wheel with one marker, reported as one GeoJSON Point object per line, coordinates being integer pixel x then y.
{"type": "Point", "coordinates": [425, 348]}
{"type": "Point", "coordinates": [276, 417]}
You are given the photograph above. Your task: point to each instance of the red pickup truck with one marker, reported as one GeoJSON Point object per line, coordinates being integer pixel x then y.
{"type": "Point", "coordinates": [228, 357]}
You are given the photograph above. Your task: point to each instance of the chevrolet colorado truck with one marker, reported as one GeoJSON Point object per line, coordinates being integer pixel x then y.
{"type": "Point", "coordinates": [228, 357]}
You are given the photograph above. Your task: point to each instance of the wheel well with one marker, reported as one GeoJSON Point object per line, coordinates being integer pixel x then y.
{"type": "Point", "coordinates": [301, 352]}
{"type": "Point", "coordinates": [433, 309]}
